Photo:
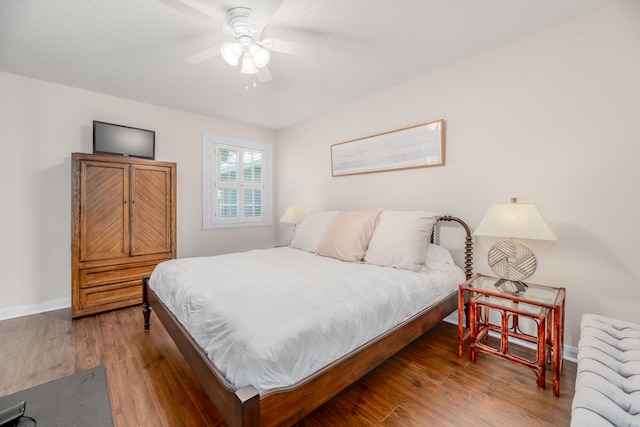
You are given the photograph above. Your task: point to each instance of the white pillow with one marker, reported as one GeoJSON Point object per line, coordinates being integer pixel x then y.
{"type": "Point", "coordinates": [349, 235]}
{"type": "Point", "coordinates": [311, 232]}
{"type": "Point", "coordinates": [438, 255]}
{"type": "Point", "coordinates": [401, 239]}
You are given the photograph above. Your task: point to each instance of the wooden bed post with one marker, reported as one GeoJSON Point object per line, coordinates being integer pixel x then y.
{"type": "Point", "coordinates": [463, 304]}
{"type": "Point", "coordinates": [468, 244]}
{"type": "Point", "coordinates": [146, 308]}
{"type": "Point", "coordinates": [248, 406]}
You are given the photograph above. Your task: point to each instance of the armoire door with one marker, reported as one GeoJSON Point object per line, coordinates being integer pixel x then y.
{"type": "Point", "coordinates": [104, 210]}
{"type": "Point", "coordinates": [150, 210]}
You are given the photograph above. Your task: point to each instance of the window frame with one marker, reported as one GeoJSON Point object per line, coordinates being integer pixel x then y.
{"type": "Point", "coordinates": [210, 221]}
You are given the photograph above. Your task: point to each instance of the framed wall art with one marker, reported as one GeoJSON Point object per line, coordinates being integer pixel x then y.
{"type": "Point", "coordinates": [416, 146]}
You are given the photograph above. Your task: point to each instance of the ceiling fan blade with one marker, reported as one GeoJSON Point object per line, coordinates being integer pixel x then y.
{"type": "Point", "coordinates": [288, 47]}
{"type": "Point", "coordinates": [262, 12]}
{"type": "Point", "coordinates": [195, 13]}
{"type": "Point", "coordinates": [206, 54]}
{"type": "Point", "coordinates": [264, 75]}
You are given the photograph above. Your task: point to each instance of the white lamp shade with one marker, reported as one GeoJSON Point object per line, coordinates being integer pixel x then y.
{"type": "Point", "coordinates": [248, 66]}
{"type": "Point", "coordinates": [293, 215]}
{"type": "Point", "coordinates": [260, 55]}
{"type": "Point", "coordinates": [231, 53]}
{"type": "Point", "coordinates": [515, 220]}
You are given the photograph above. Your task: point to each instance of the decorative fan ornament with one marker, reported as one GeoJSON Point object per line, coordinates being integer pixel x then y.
{"type": "Point", "coordinates": [512, 260]}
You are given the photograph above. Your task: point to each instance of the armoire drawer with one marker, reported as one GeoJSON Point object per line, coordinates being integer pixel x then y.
{"type": "Point", "coordinates": [99, 276]}
{"type": "Point", "coordinates": [119, 295]}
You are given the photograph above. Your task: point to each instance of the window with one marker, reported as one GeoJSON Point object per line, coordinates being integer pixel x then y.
{"type": "Point", "coordinates": [236, 183]}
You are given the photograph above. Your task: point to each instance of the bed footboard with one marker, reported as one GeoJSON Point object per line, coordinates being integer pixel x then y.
{"type": "Point", "coordinates": [239, 407]}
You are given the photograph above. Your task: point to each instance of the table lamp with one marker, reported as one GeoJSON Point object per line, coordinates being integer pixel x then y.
{"type": "Point", "coordinates": [293, 215]}
{"type": "Point", "coordinates": [511, 260]}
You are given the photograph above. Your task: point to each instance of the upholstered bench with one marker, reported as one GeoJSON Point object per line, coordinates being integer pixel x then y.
{"type": "Point", "coordinates": [608, 380]}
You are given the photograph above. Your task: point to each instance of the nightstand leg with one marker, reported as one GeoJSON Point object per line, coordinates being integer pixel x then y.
{"type": "Point", "coordinates": [558, 346]}
{"type": "Point", "coordinates": [504, 337]}
{"type": "Point", "coordinates": [542, 345]}
{"type": "Point", "coordinates": [473, 329]}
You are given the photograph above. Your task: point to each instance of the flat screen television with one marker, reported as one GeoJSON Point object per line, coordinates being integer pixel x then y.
{"type": "Point", "coordinates": [118, 140]}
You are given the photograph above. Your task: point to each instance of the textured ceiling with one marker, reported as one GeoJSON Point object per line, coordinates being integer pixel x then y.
{"type": "Point", "coordinates": [136, 49]}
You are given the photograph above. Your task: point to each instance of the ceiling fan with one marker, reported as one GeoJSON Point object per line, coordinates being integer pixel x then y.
{"type": "Point", "coordinates": [248, 49]}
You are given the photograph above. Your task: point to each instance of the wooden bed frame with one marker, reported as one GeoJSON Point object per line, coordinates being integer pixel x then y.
{"type": "Point", "coordinates": [286, 405]}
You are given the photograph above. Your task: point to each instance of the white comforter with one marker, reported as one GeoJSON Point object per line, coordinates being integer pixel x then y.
{"type": "Point", "coordinates": [269, 318]}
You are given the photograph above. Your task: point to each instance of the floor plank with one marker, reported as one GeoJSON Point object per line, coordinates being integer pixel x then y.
{"type": "Point", "coordinates": [150, 383]}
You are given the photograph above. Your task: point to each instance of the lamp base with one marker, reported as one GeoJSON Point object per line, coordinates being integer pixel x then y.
{"type": "Point", "coordinates": [292, 233]}
{"type": "Point", "coordinates": [512, 260]}
{"type": "Point", "coordinates": [511, 287]}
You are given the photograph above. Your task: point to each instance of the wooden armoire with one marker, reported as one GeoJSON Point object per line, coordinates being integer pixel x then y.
{"type": "Point", "coordinates": [123, 223]}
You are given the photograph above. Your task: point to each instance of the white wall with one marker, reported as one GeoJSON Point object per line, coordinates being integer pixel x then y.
{"type": "Point", "coordinates": [42, 124]}
{"type": "Point", "coordinates": [551, 118]}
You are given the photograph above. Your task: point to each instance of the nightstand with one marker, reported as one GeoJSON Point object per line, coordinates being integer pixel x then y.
{"type": "Point", "coordinates": [543, 305]}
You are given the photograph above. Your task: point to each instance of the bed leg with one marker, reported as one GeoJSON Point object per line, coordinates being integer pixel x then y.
{"type": "Point", "coordinates": [146, 308]}
{"type": "Point", "coordinates": [248, 406]}
{"type": "Point", "coordinates": [146, 312]}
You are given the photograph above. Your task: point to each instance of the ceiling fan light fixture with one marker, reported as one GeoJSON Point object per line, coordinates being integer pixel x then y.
{"type": "Point", "coordinates": [231, 53]}
{"type": "Point", "coordinates": [248, 66]}
{"type": "Point", "coordinates": [260, 55]}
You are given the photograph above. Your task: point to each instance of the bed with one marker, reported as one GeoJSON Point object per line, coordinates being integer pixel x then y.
{"type": "Point", "coordinates": [342, 308]}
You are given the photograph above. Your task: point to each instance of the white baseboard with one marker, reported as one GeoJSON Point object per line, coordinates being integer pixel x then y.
{"type": "Point", "coordinates": [570, 353]}
{"type": "Point", "coordinates": [25, 310]}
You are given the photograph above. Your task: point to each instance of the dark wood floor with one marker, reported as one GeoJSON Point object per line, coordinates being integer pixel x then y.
{"type": "Point", "coordinates": [150, 384]}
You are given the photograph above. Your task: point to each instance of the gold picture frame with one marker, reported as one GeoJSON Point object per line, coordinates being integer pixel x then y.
{"type": "Point", "coordinates": [416, 146]}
